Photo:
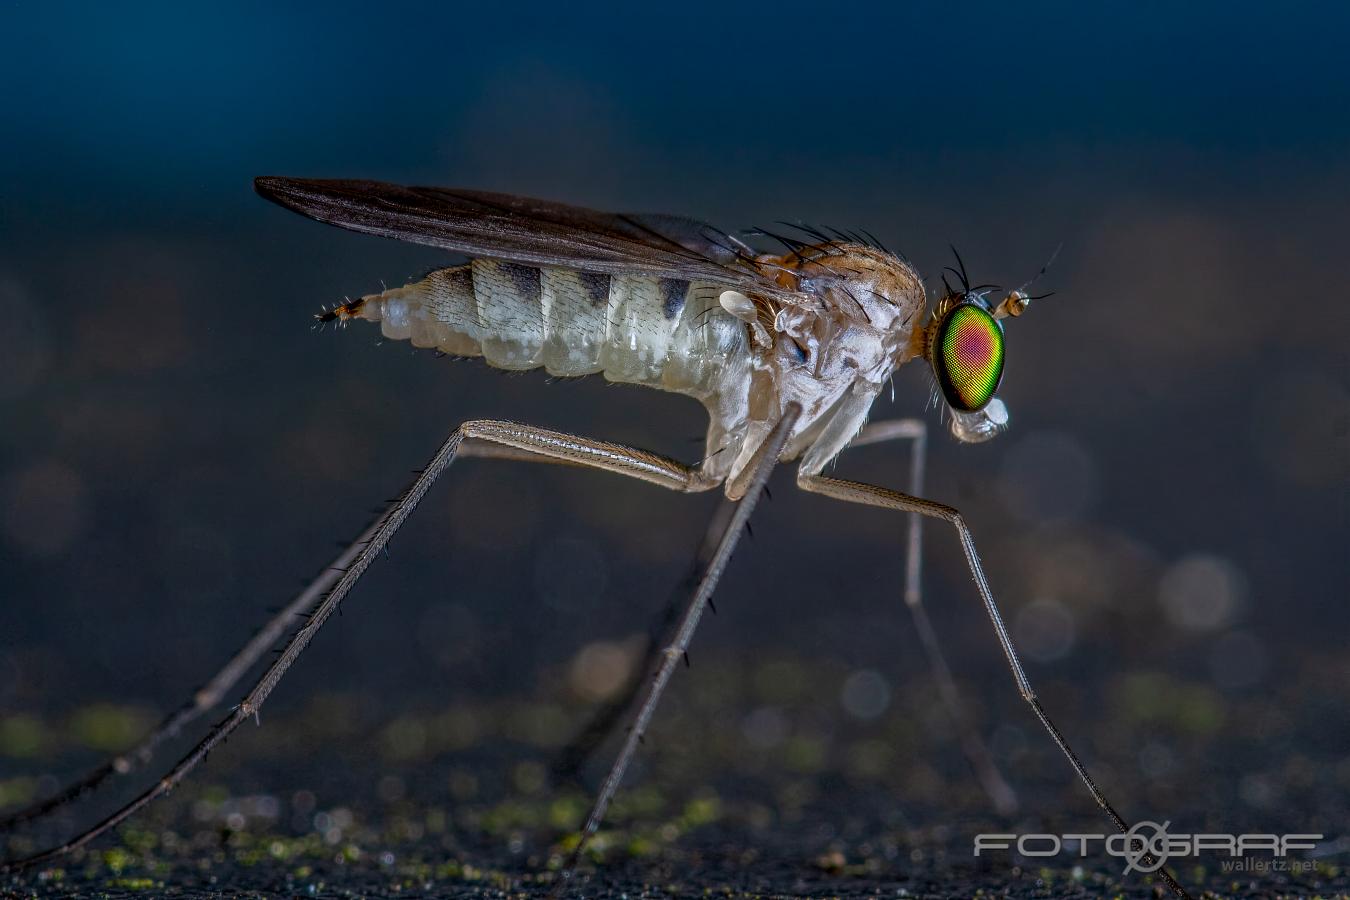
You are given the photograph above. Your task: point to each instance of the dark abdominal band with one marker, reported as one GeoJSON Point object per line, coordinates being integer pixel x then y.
{"type": "Point", "coordinates": [673, 293]}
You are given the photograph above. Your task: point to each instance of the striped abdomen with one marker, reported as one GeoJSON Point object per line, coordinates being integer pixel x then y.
{"type": "Point", "coordinates": [659, 332]}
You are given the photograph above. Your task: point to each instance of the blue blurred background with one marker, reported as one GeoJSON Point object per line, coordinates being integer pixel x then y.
{"type": "Point", "coordinates": [1166, 519]}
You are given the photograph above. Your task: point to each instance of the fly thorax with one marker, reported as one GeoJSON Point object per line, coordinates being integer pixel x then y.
{"type": "Point", "coordinates": [846, 345]}
{"type": "Point", "coordinates": [832, 350]}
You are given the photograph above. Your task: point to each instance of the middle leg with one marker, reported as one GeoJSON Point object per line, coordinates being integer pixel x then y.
{"type": "Point", "coordinates": [567, 764]}
{"type": "Point", "coordinates": [752, 481]}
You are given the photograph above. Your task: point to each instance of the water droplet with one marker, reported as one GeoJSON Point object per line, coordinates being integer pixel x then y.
{"type": "Point", "coordinates": [866, 694]}
{"type": "Point", "coordinates": [1201, 592]}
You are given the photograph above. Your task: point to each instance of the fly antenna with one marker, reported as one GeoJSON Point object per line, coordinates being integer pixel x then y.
{"type": "Point", "coordinates": [1017, 301]}
{"type": "Point", "coordinates": [1048, 263]}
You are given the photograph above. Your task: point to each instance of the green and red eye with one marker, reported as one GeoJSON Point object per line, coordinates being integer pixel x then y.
{"type": "Point", "coordinates": [967, 356]}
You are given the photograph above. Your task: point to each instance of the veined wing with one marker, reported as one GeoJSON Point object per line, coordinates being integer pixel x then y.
{"type": "Point", "coordinates": [526, 230]}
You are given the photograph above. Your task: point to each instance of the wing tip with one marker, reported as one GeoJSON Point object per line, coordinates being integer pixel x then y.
{"type": "Point", "coordinates": [277, 188]}
{"type": "Point", "coordinates": [308, 196]}
{"type": "Point", "coordinates": [305, 193]}
{"type": "Point", "coordinates": [349, 204]}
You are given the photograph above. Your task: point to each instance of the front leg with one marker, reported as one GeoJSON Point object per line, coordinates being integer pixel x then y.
{"type": "Point", "coordinates": [871, 495]}
{"type": "Point", "coordinates": [915, 431]}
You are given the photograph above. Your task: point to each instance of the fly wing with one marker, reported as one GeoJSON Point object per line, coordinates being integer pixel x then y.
{"type": "Point", "coordinates": [526, 230]}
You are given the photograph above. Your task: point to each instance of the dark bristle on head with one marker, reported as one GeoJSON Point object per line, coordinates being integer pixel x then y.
{"type": "Point", "coordinates": [965, 279]}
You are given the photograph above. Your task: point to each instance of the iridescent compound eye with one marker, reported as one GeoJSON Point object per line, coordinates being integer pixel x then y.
{"type": "Point", "coordinates": [967, 355]}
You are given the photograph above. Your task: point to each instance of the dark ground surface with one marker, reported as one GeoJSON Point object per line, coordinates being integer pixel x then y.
{"type": "Point", "coordinates": [1164, 524]}
{"type": "Point", "coordinates": [752, 783]}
